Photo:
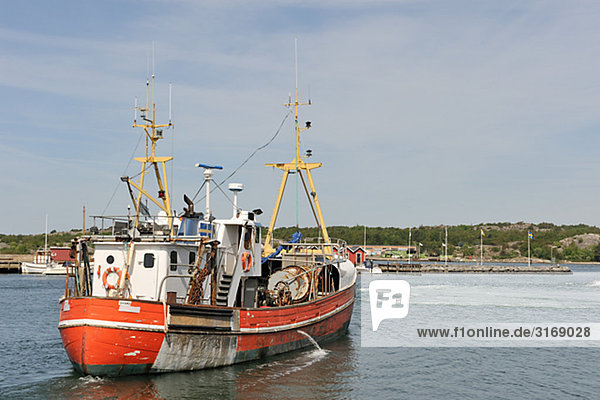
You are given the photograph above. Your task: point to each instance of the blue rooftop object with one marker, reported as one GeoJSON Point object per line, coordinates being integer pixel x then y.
{"type": "Point", "coordinates": [208, 166]}
{"type": "Point", "coordinates": [295, 239]}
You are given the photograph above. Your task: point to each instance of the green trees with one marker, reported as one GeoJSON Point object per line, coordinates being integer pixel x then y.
{"type": "Point", "coordinates": [24, 244]}
{"type": "Point", "coordinates": [501, 241]}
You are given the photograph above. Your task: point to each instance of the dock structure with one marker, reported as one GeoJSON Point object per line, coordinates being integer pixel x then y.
{"type": "Point", "coordinates": [9, 265]}
{"type": "Point", "coordinates": [412, 268]}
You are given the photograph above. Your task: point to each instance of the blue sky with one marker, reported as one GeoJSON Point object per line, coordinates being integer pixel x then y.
{"type": "Point", "coordinates": [424, 112]}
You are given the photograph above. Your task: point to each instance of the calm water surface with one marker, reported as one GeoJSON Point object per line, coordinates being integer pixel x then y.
{"type": "Point", "coordinates": [33, 363]}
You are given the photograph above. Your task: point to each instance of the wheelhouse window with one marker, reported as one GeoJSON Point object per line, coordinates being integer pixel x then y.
{"type": "Point", "coordinates": [192, 258]}
{"type": "Point", "coordinates": [148, 260]}
{"type": "Point", "coordinates": [173, 261]}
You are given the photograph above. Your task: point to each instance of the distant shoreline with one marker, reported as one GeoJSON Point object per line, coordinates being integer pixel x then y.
{"type": "Point", "coordinates": [485, 262]}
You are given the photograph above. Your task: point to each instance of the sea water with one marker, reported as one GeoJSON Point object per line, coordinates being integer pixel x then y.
{"type": "Point", "coordinates": [33, 363]}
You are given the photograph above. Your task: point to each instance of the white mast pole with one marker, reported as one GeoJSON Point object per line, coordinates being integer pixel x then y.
{"type": "Point", "coordinates": [408, 250]}
{"type": "Point", "coordinates": [446, 248]}
{"type": "Point", "coordinates": [207, 175]}
{"type": "Point", "coordinates": [528, 249]}
{"type": "Point", "coordinates": [46, 237]}
{"type": "Point", "coordinates": [481, 247]}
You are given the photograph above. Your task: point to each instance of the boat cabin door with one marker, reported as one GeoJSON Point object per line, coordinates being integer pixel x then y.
{"type": "Point", "coordinates": [146, 269]}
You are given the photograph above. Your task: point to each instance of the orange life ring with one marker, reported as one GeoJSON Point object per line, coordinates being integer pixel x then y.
{"type": "Point", "coordinates": [246, 261]}
{"type": "Point", "coordinates": [109, 271]}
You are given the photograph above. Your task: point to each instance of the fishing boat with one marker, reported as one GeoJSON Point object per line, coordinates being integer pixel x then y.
{"type": "Point", "coordinates": [186, 291]}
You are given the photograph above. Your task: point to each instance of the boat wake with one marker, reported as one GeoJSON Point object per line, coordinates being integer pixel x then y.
{"type": "Point", "coordinates": [594, 284]}
{"type": "Point", "coordinates": [266, 374]}
{"type": "Point", "coordinates": [91, 379]}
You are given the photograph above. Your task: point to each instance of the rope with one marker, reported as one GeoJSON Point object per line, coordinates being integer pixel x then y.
{"type": "Point", "coordinates": [247, 159]}
{"type": "Point", "coordinates": [125, 170]}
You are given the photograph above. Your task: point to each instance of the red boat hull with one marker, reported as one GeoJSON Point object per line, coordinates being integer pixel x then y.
{"type": "Point", "coordinates": [104, 336]}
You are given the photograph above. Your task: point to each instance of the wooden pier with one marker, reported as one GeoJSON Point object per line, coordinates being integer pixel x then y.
{"type": "Point", "coordinates": [440, 268]}
{"type": "Point", "coordinates": [413, 268]}
{"type": "Point", "coordinates": [9, 265]}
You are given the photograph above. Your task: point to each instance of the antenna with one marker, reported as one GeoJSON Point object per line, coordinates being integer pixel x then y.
{"type": "Point", "coordinates": [170, 101]}
{"type": "Point", "coordinates": [296, 60]}
{"type": "Point", "coordinates": [135, 107]}
{"type": "Point", "coordinates": [153, 58]}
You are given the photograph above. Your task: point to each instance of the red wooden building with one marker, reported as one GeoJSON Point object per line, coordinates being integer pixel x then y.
{"type": "Point", "coordinates": [61, 255]}
{"type": "Point", "coordinates": [356, 254]}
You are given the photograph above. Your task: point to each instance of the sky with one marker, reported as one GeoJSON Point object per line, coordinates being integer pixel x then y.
{"type": "Point", "coordinates": [423, 112]}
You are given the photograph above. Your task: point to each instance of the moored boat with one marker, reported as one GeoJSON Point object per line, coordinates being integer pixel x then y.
{"type": "Point", "coordinates": [43, 262]}
{"type": "Point", "coordinates": [184, 292]}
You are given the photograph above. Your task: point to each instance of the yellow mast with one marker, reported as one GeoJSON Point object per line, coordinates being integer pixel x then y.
{"type": "Point", "coordinates": [297, 166]}
{"type": "Point", "coordinates": [153, 135]}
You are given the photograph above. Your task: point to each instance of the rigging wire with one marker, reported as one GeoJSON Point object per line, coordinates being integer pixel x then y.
{"type": "Point", "coordinates": [225, 194]}
{"type": "Point", "coordinates": [125, 170]}
{"type": "Point", "coordinates": [247, 159]}
{"type": "Point", "coordinates": [198, 192]}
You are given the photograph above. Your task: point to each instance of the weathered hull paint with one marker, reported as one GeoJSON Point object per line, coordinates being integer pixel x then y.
{"type": "Point", "coordinates": [110, 337]}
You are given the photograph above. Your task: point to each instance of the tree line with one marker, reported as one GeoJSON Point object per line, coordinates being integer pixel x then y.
{"type": "Point", "coordinates": [501, 241]}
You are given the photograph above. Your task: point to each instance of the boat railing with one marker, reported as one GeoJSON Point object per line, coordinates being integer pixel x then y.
{"type": "Point", "coordinates": [335, 248]}
{"type": "Point", "coordinates": [112, 227]}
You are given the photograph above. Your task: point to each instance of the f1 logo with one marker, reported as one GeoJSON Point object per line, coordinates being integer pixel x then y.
{"type": "Point", "coordinates": [389, 299]}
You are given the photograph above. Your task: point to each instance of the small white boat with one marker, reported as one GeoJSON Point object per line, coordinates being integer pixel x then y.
{"type": "Point", "coordinates": [42, 261]}
{"type": "Point", "coordinates": [56, 269]}
{"type": "Point", "coordinates": [33, 268]}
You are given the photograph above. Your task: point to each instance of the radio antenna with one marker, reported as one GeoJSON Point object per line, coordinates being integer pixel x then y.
{"type": "Point", "coordinates": [170, 102]}
{"type": "Point", "coordinates": [153, 58]}
{"type": "Point", "coordinates": [296, 60]}
{"type": "Point", "coordinates": [135, 107]}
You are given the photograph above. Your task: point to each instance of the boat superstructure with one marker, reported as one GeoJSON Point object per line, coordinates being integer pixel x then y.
{"type": "Point", "coordinates": [184, 291]}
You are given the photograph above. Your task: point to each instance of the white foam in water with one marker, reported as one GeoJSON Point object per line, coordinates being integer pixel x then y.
{"type": "Point", "coordinates": [270, 371]}
{"type": "Point", "coordinates": [91, 379]}
{"type": "Point", "coordinates": [431, 286]}
{"type": "Point", "coordinates": [595, 283]}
